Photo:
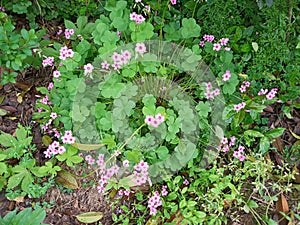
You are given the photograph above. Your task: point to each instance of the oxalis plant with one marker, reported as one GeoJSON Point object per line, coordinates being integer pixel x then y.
{"type": "Point", "coordinates": [149, 107]}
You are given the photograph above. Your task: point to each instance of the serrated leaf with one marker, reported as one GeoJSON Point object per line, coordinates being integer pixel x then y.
{"type": "Point", "coordinates": [90, 217]}
{"type": "Point", "coordinates": [66, 179]}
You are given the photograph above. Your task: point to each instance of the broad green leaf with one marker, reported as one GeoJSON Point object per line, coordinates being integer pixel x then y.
{"type": "Point", "coordinates": [190, 28]}
{"type": "Point", "coordinates": [87, 147]}
{"type": "Point", "coordinates": [253, 133]}
{"type": "Point", "coordinates": [275, 132]}
{"type": "Point", "coordinates": [264, 145]}
{"type": "Point", "coordinates": [81, 22]}
{"type": "Point", "coordinates": [203, 109]}
{"type": "Point", "coordinates": [90, 217]}
{"type": "Point", "coordinates": [7, 140]}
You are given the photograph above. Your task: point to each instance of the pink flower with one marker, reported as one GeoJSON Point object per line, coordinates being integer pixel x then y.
{"type": "Point", "coordinates": [173, 2]}
{"type": "Point", "coordinates": [119, 33]}
{"type": "Point", "coordinates": [186, 182]}
{"type": "Point", "coordinates": [209, 95]}
{"type": "Point", "coordinates": [56, 74]}
{"type": "Point", "coordinates": [88, 68]}
{"type": "Point", "coordinates": [53, 115]}
{"type": "Point", "coordinates": [50, 86]}
{"type": "Point", "coordinates": [202, 43]}
{"type": "Point", "coordinates": [105, 65]}
{"type": "Point", "coordinates": [242, 158]}
{"type": "Point", "coordinates": [133, 16]}
{"type": "Point", "coordinates": [140, 48]}
{"type": "Point", "coordinates": [127, 192]}
{"type": "Point", "coordinates": [227, 49]}
{"type": "Point", "coordinates": [126, 163]}
{"type": "Point", "coordinates": [226, 76]}
{"type": "Point", "coordinates": [224, 141]}
{"type": "Point", "coordinates": [243, 88]}
{"type": "Point", "coordinates": [61, 150]}
{"type": "Point", "coordinates": [217, 47]}
{"type": "Point", "coordinates": [224, 41]}
{"type": "Point", "coordinates": [262, 92]}
{"type": "Point", "coordinates": [239, 106]}
{"type": "Point", "coordinates": [126, 54]}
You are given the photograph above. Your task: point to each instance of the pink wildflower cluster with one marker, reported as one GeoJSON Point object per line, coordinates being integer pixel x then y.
{"type": "Point", "coordinates": [68, 137]}
{"type": "Point", "coordinates": [244, 86]}
{"type": "Point", "coordinates": [269, 95]}
{"type": "Point", "coordinates": [210, 92]}
{"type": "Point", "coordinates": [65, 53]}
{"type": "Point", "coordinates": [164, 191]}
{"type": "Point", "coordinates": [54, 149]}
{"type": "Point", "coordinates": [154, 121]}
{"type": "Point", "coordinates": [45, 100]}
{"type": "Point", "coordinates": [239, 153]}
{"type": "Point", "coordinates": [138, 18]}
{"type": "Point", "coordinates": [154, 202]}
{"type": "Point", "coordinates": [122, 192]}
{"type": "Point", "coordinates": [216, 46]}
{"type": "Point", "coordinates": [239, 106]}
{"type": "Point", "coordinates": [226, 76]}
{"type": "Point", "coordinates": [227, 143]}
{"type": "Point", "coordinates": [48, 61]}
{"type": "Point", "coordinates": [140, 173]}
{"type": "Point", "coordinates": [67, 32]}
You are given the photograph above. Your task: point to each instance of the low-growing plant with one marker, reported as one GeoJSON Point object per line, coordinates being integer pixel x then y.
{"type": "Point", "coordinates": [19, 170]}
{"type": "Point", "coordinates": [25, 217]}
{"type": "Point", "coordinates": [16, 49]}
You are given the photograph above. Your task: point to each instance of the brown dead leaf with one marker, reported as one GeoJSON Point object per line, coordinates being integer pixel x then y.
{"type": "Point", "coordinates": [282, 206]}
{"type": "Point", "coordinates": [277, 143]}
{"type": "Point", "coordinates": [66, 179]}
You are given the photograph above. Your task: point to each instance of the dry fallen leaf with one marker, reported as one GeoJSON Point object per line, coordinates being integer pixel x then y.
{"type": "Point", "coordinates": [66, 179]}
{"type": "Point", "coordinates": [90, 217]}
{"type": "Point", "coordinates": [282, 206]}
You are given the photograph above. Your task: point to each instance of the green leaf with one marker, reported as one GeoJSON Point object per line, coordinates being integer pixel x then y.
{"type": "Point", "coordinates": [275, 132]}
{"type": "Point", "coordinates": [90, 217]}
{"type": "Point", "coordinates": [253, 133]}
{"type": "Point", "coordinates": [203, 109]}
{"type": "Point", "coordinates": [141, 32]}
{"type": "Point", "coordinates": [7, 140]}
{"type": "Point", "coordinates": [264, 145]}
{"type": "Point", "coordinates": [21, 133]}
{"type": "Point", "coordinates": [255, 46]}
{"type": "Point", "coordinates": [109, 140]}
{"type": "Point", "coordinates": [83, 46]}
{"type": "Point", "coordinates": [81, 22]}
{"type": "Point", "coordinates": [230, 85]}
{"type": "Point", "coordinates": [162, 152]}
{"type": "Point", "coordinates": [190, 28]}
{"type": "Point", "coordinates": [70, 25]}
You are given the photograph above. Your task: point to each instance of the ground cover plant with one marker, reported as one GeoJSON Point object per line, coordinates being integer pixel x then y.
{"type": "Point", "coordinates": [150, 112]}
